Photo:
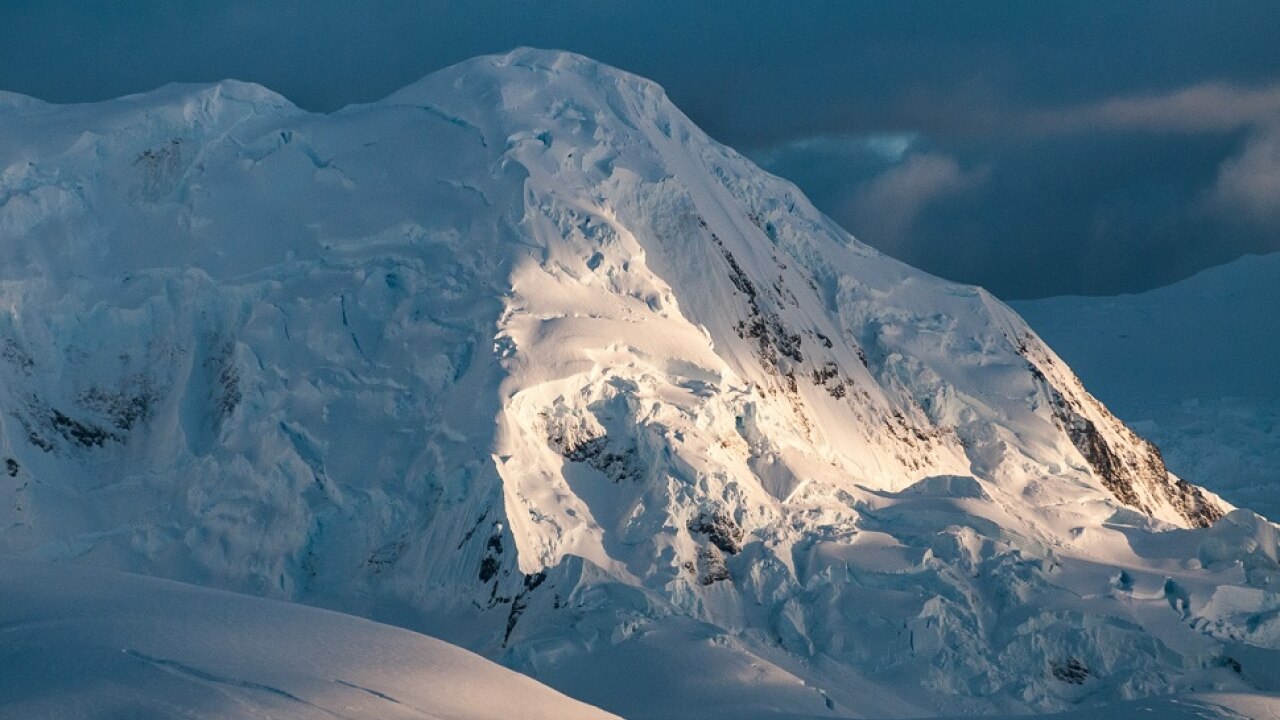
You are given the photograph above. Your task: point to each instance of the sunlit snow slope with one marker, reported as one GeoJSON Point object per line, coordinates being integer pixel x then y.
{"type": "Point", "coordinates": [85, 644]}
{"type": "Point", "coordinates": [520, 357]}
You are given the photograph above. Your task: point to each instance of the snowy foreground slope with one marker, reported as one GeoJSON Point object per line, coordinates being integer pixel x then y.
{"type": "Point", "coordinates": [520, 358]}
{"type": "Point", "coordinates": [77, 643]}
{"type": "Point", "coordinates": [1192, 365]}
{"type": "Point", "coordinates": [90, 644]}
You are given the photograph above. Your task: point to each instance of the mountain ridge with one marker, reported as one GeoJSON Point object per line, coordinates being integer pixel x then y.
{"type": "Point", "coordinates": [1188, 365]}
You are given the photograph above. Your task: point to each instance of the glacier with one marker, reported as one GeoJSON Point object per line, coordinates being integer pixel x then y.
{"type": "Point", "coordinates": [520, 358]}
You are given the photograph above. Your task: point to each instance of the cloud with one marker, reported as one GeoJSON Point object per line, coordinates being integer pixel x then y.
{"type": "Point", "coordinates": [884, 147]}
{"type": "Point", "coordinates": [1201, 108]}
{"type": "Point", "coordinates": [1246, 189]}
{"type": "Point", "coordinates": [885, 208]}
{"type": "Point", "coordinates": [1248, 185]}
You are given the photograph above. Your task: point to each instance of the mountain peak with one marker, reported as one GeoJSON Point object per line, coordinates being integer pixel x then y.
{"type": "Point", "coordinates": [510, 81]}
{"type": "Point", "coordinates": [521, 356]}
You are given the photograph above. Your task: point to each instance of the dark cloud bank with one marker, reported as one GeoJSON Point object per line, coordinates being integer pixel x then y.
{"type": "Point", "coordinates": [1033, 149]}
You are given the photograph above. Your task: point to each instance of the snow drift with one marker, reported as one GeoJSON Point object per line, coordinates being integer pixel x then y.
{"type": "Point", "coordinates": [93, 644]}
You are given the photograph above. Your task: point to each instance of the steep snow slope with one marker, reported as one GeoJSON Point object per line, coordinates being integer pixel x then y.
{"type": "Point", "coordinates": [1192, 366]}
{"type": "Point", "coordinates": [91, 644]}
{"type": "Point", "coordinates": [520, 357]}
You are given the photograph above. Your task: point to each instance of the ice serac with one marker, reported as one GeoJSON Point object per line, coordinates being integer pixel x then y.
{"type": "Point", "coordinates": [520, 357]}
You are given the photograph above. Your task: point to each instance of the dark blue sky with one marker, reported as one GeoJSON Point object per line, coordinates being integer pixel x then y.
{"type": "Point", "coordinates": [1032, 148]}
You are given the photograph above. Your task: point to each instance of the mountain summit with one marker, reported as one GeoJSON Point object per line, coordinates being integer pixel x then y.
{"type": "Point", "coordinates": [520, 357]}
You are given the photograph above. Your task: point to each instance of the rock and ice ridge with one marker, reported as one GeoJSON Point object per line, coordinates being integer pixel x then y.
{"type": "Point", "coordinates": [520, 357]}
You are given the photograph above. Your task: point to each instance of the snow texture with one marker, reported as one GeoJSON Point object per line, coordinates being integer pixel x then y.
{"type": "Point", "coordinates": [519, 357]}
{"type": "Point", "coordinates": [94, 644]}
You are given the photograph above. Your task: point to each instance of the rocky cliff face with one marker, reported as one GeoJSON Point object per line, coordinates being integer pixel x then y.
{"type": "Point", "coordinates": [521, 357]}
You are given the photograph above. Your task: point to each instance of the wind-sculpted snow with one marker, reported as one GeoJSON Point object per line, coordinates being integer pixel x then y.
{"type": "Point", "coordinates": [85, 644]}
{"type": "Point", "coordinates": [520, 357]}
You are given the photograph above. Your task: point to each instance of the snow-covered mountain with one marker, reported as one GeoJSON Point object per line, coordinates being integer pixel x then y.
{"type": "Point", "coordinates": [519, 357]}
{"type": "Point", "coordinates": [1191, 366]}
